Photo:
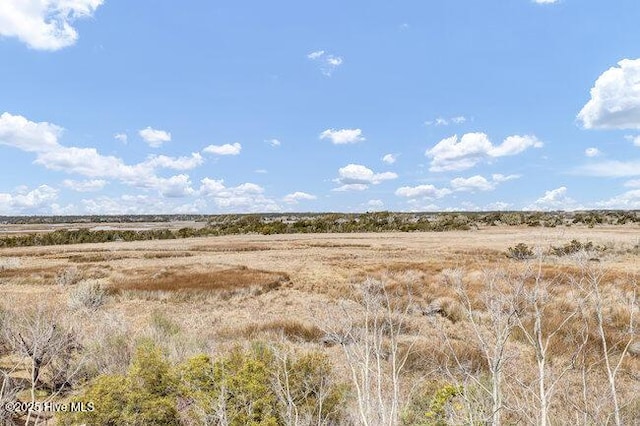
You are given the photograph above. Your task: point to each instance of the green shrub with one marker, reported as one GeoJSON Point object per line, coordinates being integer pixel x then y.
{"type": "Point", "coordinates": [146, 395]}
{"type": "Point", "coordinates": [520, 251]}
{"type": "Point", "coordinates": [433, 406]}
{"type": "Point", "coordinates": [574, 246]}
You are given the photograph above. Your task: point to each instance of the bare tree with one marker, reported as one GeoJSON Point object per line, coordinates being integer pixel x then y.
{"type": "Point", "coordinates": [369, 336]}
{"type": "Point", "coordinates": [37, 336]}
{"type": "Point", "coordinates": [531, 320]}
{"type": "Point", "coordinates": [592, 281]}
{"type": "Point", "coordinates": [491, 329]}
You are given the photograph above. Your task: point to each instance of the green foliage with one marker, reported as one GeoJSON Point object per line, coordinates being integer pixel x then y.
{"type": "Point", "coordinates": [433, 406]}
{"type": "Point", "coordinates": [574, 246]}
{"type": "Point", "coordinates": [146, 395]}
{"type": "Point", "coordinates": [520, 251]}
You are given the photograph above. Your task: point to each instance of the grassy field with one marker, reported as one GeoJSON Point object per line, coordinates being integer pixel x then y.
{"type": "Point", "coordinates": [451, 328]}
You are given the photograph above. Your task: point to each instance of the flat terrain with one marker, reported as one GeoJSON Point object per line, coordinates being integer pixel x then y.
{"type": "Point", "coordinates": [218, 292]}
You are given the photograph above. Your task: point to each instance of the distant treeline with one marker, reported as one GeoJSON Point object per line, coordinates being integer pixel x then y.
{"type": "Point", "coordinates": [326, 223]}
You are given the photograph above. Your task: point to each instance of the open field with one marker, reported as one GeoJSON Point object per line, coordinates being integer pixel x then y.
{"type": "Point", "coordinates": [453, 317]}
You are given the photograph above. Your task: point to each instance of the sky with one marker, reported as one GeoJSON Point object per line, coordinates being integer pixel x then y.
{"type": "Point", "coordinates": [150, 107]}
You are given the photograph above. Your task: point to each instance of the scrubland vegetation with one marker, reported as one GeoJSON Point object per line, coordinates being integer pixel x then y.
{"type": "Point", "coordinates": [300, 224]}
{"type": "Point", "coordinates": [501, 325]}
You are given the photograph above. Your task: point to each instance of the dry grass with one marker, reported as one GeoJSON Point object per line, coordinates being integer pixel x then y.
{"type": "Point", "coordinates": [227, 281]}
{"type": "Point", "coordinates": [294, 285]}
{"type": "Point", "coordinates": [292, 330]}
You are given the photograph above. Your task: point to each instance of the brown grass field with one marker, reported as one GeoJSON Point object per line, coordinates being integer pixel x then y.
{"type": "Point", "coordinates": [210, 294]}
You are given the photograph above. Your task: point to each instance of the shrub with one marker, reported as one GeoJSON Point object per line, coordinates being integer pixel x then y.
{"type": "Point", "coordinates": [146, 395]}
{"type": "Point", "coordinates": [573, 247]}
{"type": "Point", "coordinates": [520, 251]}
{"type": "Point", "coordinates": [68, 276]}
{"type": "Point", "coordinates": [433, 406]}
{"type": "Point", "coordinates": [88, 294]}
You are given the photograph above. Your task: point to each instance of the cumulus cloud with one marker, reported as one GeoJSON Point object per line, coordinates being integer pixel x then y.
{"type": "Point", "coordinates": [273, 142]}
{"type": "Point", "coordinates": [615, 99]}
{"type": "Point", "coordinates": [554, 199]}
{"type": "Point", "coordinates": [23, 201]}
{"type": "Point", "coordinates": [298, 196]}
{"type": "Point", "coordinates": [246, 197]}
{"type": "Point", "coordinates": [473, 183]}
{"type": "Point", "coordinates": [17, 131]}
{"type": "Point", "coordinates": [633, 183]}
{"type": "Point", "coordinates": [154, 138]}
{"type": "Point", "coordinates": [545, 1]}
{"type": "Point", "coordinates": [179, 163]}
{"type": "Point", "coordinates": [422, 191]}
{"type": "Point", "coordinates": [176, 186]}
{"type": "Point", "coordinates": [92, 185]}
{"type": "Point", "coordinates": [356, 177]}
{"type": "Point", "coordinates": [343, 136]}
{"type": "Point", "coordinates": [42, 139]}
{"type": "Point", "coordinates": [44, 24]}
{"type": "Point", "coordinates": [473, 148]}
{"type": "Point", "coordinates": [592, 152]}
{"type": "Point", "coordinates": [328, 62]}
{"type": "Point", "coordinates": [629, 200]}
{"type": "Point", "coordinates": [390, 158]}
{"type": "Point", "coordinates": [226, 149]}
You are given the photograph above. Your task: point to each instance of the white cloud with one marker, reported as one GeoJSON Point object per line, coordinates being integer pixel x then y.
{"type": "Point", "coordinates": [26, 135]}
{"type": "Point", "coordinates": [226, 149]}
{"type": "Point", "coordinates": [154, 138]}
{"type": "Point", "coordinates": [85, 185]}
{"type": "Point", "coordinates": [122, 137]}
{"type": "Point", "coordinates": [42, 139]}
{"type": "Point", "coordinates": [343, 136]}
{"type": "Point", "coordinates": [351, 187]}
{"type": "Point", "coordinates": [473, 148]}
{"type": "Point", "coordinates": [245, 197]}
{"type": "Point", "coordinates": [328, 63]}
{"type": "Point", "coordinates": [629, 200]}
{"type": "Point", "coordinates": [297, 196]}
{"type": "Point", "coordinates": [592, 152]}
{"type": "Point", "coordinates": [316, 55]}
{"type": "Point", "coordinates": [611, 168]}
{"type": "Point", "coordinates": [634, 139]}
{"type": "Point", "coordinates": [615, 99]}
{"type": "Point", "coordinates": [480, 183]}
{"type": "Point", "coordinates": [554, 199]}
{"type": "Point", "coordinates": [179, 163]}
{"type": "Point", "coordinates": [375, 204]}
{"type": "Point", "coordinates": [422, 191]}
{"type": "Point", "coordinates": [497, 177]}
{"type": "Point", "coordinates": [23, 201]}
{"type": "Point", "coordinates": [546, 1]}
{"type": "Point", "coordinates": [44, 24]}
{"type": "Point", "coordinates": [390, 158]}
{"type": "Point", "coordinates": [356, 177]}
{"type": "Point", "coordinates": [634, 183]}
{"type": "Point", "coordinates": [473, 183]}
{"type": "Point", "coordinates": [176, 186]}
{"type": "Point", "coordinates": [497, 206]}
{"type": "Point", "coordinates": [274, 142]}
{"type": "Point", "coordinates": [442, 121]}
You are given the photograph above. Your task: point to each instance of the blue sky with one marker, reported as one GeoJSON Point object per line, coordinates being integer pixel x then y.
{"type": "Point", "coordinates": [112, 107]}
